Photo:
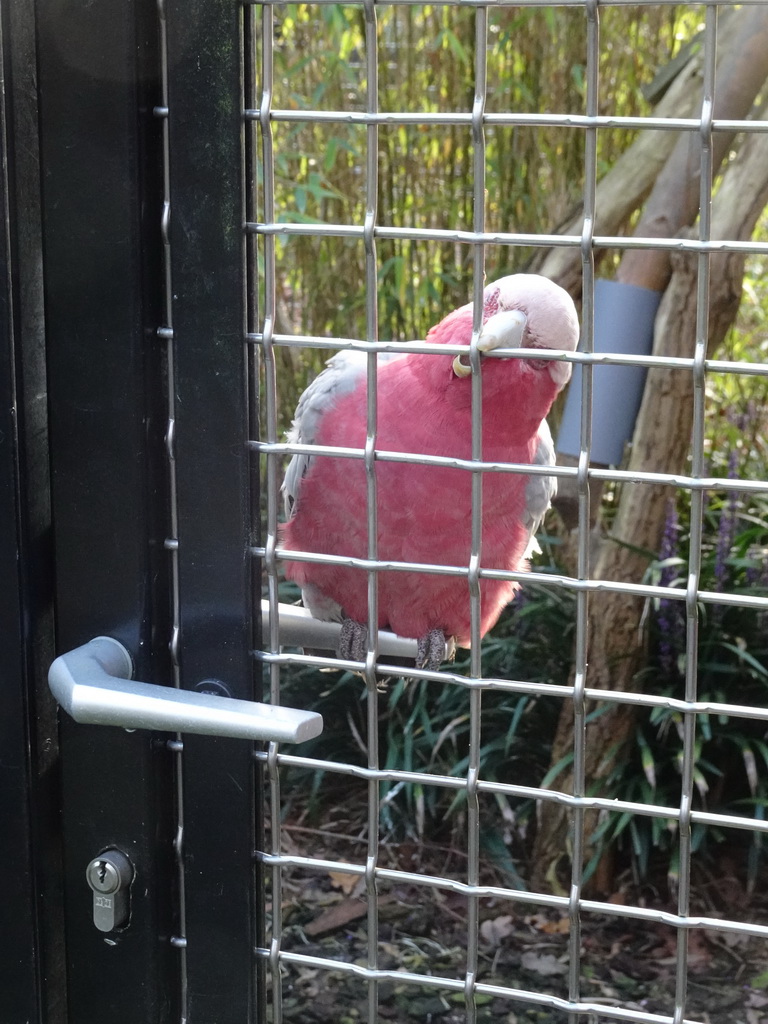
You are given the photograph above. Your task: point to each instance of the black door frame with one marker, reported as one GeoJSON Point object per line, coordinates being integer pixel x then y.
{"type": "Point", "coordinates": [31, 951]}
{"type": "Point", "coordinates": [98, 554]}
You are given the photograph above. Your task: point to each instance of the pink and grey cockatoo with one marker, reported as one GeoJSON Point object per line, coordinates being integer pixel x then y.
{"type": "Point", "coordinates": [424, 512]}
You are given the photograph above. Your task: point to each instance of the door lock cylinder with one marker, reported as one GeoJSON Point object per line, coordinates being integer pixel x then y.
{"type": "Point", "coordinates": [110, 875]}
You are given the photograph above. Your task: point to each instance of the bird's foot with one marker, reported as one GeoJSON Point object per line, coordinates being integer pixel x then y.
{"type": "Point", "coordinates": [353, 646]}
{"type": "Point", "coordinates": [353, 640]}
{"type": "Point", "coordinates": [431, 650]}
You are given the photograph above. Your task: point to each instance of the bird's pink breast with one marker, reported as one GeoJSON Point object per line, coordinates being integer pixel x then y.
{"type": "Point", "coordinates": [423, 512]}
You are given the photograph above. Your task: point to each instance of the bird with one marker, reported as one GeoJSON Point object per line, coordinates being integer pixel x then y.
{"type": "Point", "coordinates": [424, 512]}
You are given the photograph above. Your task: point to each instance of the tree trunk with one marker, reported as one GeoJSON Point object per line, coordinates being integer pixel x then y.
{"type": "Point", "coordinates": [674, 200]}
{"type": "Point", "coordinates": [661, 444]}
{"type": "Point", "coordinates": [743, 66]}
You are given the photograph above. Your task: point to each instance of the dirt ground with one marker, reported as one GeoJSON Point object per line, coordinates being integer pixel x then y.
{"type": "Point", "coordinates": [422, 930]}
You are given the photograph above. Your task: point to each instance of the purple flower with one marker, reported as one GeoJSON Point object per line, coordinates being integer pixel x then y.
{"type": "Point", "coordinates": [669, 618]}
{"type": "Point", "coordinates": [726, 535]}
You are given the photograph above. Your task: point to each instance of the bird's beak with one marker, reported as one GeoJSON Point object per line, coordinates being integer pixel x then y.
{"type": "Point", "coordinates": [503, 330]}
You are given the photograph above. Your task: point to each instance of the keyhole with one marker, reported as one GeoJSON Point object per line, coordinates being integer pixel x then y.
{"type": "Point", "coordinates": [102, 870]}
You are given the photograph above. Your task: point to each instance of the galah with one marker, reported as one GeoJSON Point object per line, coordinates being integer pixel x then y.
{"type": "Point", "coordinates": [424, 511]}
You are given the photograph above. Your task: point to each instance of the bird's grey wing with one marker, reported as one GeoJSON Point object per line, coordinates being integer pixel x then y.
{"type": "Point", "coordinates": [341, 375]}
{"type": "Point", "coordinates": [540, 489]}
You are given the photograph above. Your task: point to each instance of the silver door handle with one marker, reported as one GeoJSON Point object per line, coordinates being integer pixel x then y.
{"type": "Point", "coordinates": [93, 684]}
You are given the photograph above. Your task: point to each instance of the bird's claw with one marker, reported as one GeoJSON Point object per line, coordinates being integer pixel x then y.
{"type": "Point", "coordinates": [353, 641]}
{"type": "Point", "coordinates": [431, 652]}
{"type": "Point", "coordinates": [353, 646]}
{"type": "Point", "coordinates": [431, 649]}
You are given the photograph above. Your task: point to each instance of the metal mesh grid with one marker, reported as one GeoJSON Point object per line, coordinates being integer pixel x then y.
{"type": "Point", "coordinates": [262, 117]}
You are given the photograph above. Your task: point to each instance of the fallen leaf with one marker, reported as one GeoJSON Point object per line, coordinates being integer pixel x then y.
{"type": "Point", "coordinates": [545, 924]}
{"type": "Point", "coordinates": [559, 927]}
{"type": "Point", "coordinates": [341, 914]}
{"type": "Point", "coordinates": [545, 964]}
{"type": "Point", "coordinates": [336, 917]}
{"type": "Point", "coordinates": [494, 930]}
{"type": "Point", "coordinates": [345, 880]}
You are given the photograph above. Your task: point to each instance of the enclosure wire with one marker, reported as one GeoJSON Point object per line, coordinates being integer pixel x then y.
{"type": "Point", "coordinates": [371, 499]}
{"type": "Point", "coordinates": [510, 789]}
{"type": "Point", "coordinates": [540, 241]}
{"type": "Point", "coordinates": [624, 912]}
{"type": "Point", "coordinates": [171, 544]}
{"type": "Point", "coordinates": [525, 996]}
{"type": "Point", "coordinates": [697, 511]}
{"type": "Point", "coordinates": [520, 687]}
{"type": "Point", "coordinates": [473, 574]}
{"type": "Point", "coordinates": [272, 492]}
{"type": "Point", "coordinates": [508, 119]}
{"type": "Point", "coordinates": [596, 358]}
{"type": "Point", "coordinates": [577, 817]}
{"type": "Point", "coordinates": [577, 803]}
{"type": "Point", "coordinates": [648, 590]}
{"type": "Point", "coordinates": [250, 22]}
{"type": "Point", "coordinates": [675, 480]}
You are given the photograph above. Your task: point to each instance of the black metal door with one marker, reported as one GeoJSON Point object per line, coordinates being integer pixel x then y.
{"type": "Point", "coordinates": [141, 157]}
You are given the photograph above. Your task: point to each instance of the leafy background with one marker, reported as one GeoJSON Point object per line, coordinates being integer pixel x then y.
{"type": "Point", "coordinates": [536, 60]}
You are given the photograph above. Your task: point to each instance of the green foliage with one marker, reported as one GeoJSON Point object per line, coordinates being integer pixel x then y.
{"type": "Point", "coordinates": [535, 63]}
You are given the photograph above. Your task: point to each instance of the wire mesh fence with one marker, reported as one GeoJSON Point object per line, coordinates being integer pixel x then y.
{"type": "Point", "coordinates": [278, 223]}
